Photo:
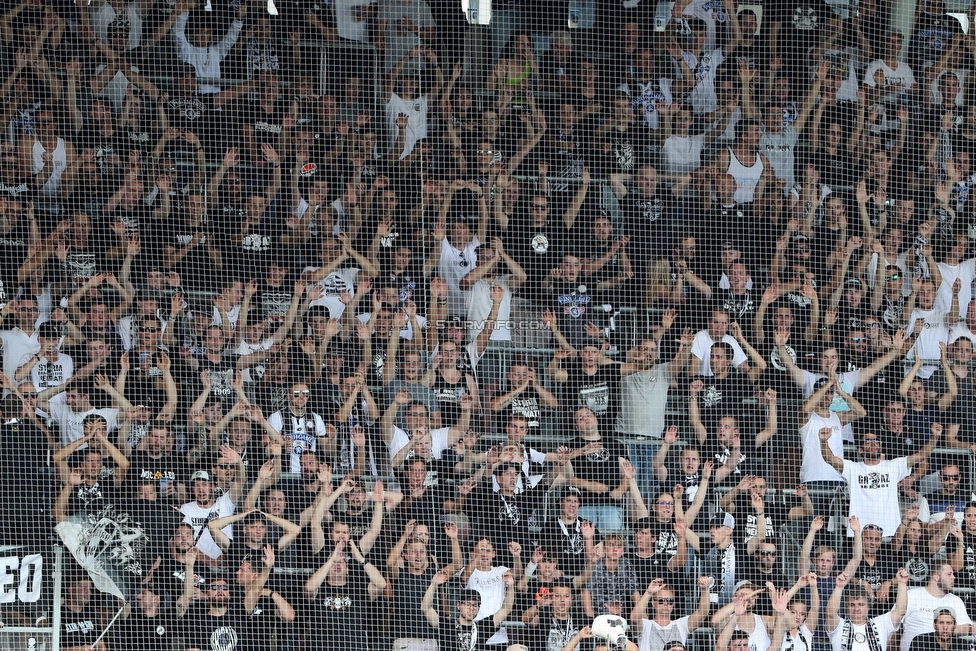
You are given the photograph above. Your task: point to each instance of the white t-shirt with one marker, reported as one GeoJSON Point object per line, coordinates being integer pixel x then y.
{"type": "Point", "coordinates": [901, 78]}
{"type": "Point", "coordinates": [813, 467]}
{"type": "Point", "coordinates": [874, 492]}
{"type": "Point", "coordinates": [453, 266]}
{"type": "Point", "coordinates": [491, 587]}
{"type": "Point", "coordinates": [918, 617]}
{"type": "Point", "coordinates": [350, 22]}
{"type": "Point", "coordinates": [438, 442]}
{"type": "Point", "coordinates": [653, 636]}
{"type": "Point", "coordinates": [70, 421]}
{"type": "Point", "coordinates": [965, 271]}
{"type": "Point", "coordinates": [17, 345]}
{"type": "Point", "coordinates": [882, 626]}
{"type": "Point", "coordinates": [934, 331]}
{"type": "Point", "coordinates": [479, 307]}
{"type": "Point", "coordinates": [46, 374]}
{"type": "Point", "coordinates": [198, 517]}
{"type": "Point", "coordinates": [406, 332]}
{"type": "Point", "coordinates": [713, 13]}
{"type": "Point", "coordinates": [702, 348]}
{"type": "Point", "coordinates": [703, 98]}
{"type": "Point", "coordinates": [682, 154]}
{"type": "Point", "coordinates": [416, 110]}
{"type": "Point", "coordinates": [340, 280]}
{"type": "Point", "coordinates": [643, 96]}
{"type": "Point", "coordinates": [301, 433]}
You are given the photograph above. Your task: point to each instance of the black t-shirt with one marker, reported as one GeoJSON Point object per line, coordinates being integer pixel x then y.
{"type": "Point", "coordinates": [750, 571]}
{"type": "Point", "coordinates": [79, 628]}
{"type": "Point", "coordinates": [575, 303]}
{"type": "Point", "coordinates": [171, 574]}
{"type": "Point", "coordinates": [930, 642]}
{"type": "Point", "coordinates": [884, 568]}
{"type": "Point", "coordinates": [552, 634]}
{"type": "Point", "coordinates": [191, 112]}
{"type": "Point", "coordinates": [746, 521]}
{"type": "Point", "coordinates": [716, 452]}
{"type": "Point", "coordinates": [600, 391]}
{"type": "Point", "coordinates": [506, 518]}
{"type": "Point", "coordinates": [449, 398]}
{"type": "Point", "coordinates": [110, 150]}
{"type": "Point", "coordinates": [259, 626]}
{"type": "Point", "coordinates": [14, 245]}
{"type": "Point", "coordinates": [84, 262]}
{"type": "Point", "coordinates": [408, 592]}
{"type": "Point", "coordinates": [601, 466]}
{"type": "Point", "coordinates": [157, 633]}
{"type": "Point", "coordinates": [196, 269]}
{"type": "Point", "coordinates": [537, 250]}
{"type": "Point", "coordinates": [143, 467]}
{"type": "Point", "coordinates": [966, 577]}
{"type": "Point", "coordinates": [204, 631]}
{"type": "Point", "coordinates": [267, 126]}
{"type": "Point", "coordinates": [251, 258]}
{"type": "Point", "coordinates": [341, 612]}
{"type": "Point", "coordinates": [627, 149]}
{"type": "Point", "coordinates": [452, 635]}
{"type": "Point", "coordinates": [653, 567]}
{"type": "Point", "coordinates": [566, 541]}
{"type": "Point", "coordinates": [646, 221]}
{"type": "Point", "coordinates": [803, 25]}
{"type": "Point", "coordinates": [723, 396]}
{"type": "Point", "coordinates": [919, 564]}
{"type": "Point", "coordinates": [274, 301]}
{"type": "Point", "coordinates": [93, 497]}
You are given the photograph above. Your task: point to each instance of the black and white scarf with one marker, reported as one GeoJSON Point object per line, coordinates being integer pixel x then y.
{"type": "Point", "coordinates": [847, 636]}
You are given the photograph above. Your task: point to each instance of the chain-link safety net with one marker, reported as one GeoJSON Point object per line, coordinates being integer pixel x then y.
{"type": "Point", "coordinates": [487, 325]}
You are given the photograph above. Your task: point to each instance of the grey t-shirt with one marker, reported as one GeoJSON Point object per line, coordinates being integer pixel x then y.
{"type": "Point", "coordinates": [643, 399]}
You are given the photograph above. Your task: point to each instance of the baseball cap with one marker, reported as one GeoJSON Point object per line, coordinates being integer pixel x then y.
{"type": "Point", "coordinates": [945, 610]}
{"type": "Point", "coordinates": [722, 520]}
{"type": "Point", "coordinates": [202, 475]}
{"type": "Point", "coordinates": [571, 490]}
{"type": "Point", "coordinates": [854, 283]}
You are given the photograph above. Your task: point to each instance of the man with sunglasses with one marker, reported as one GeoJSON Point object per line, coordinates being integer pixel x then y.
{"type": "Point", "coordinates": [888, 298]}
{"type": "Point", "coordinates": [661, 632]}
{"type": "Point", "coordinates": [873, 482]}
{"type": "Point", "coordinates": [763, 568]}
{"type": "Point", "coordinates": [949, 501]}
{"type": "Point", "coordinates": [301, 428]}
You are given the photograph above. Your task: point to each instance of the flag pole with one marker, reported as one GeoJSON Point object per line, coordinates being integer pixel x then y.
{"type": "Point", "coordinates": [124, 604]}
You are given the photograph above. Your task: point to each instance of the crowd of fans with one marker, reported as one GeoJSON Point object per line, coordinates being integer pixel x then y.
{"type": "Point", "coordinates": [445, 335]}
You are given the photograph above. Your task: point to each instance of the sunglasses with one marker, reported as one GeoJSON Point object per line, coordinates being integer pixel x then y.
{"type": "Point", "coordinates": [893, 277]}
{"type": "Point", "coordinates": [666, 600]}
{"type": "Point", "coordinates": [221, 587]}
{"type": "Point", "coordinates": [766, 552]}
{"type": "Point", "coordinates": [305, 393]}
{"type": "Point", "coordinates": [858, 340]}
{"type": "Point", "coordinates": [148, 329]}
{"type": "Point", "coordinates": [665, 503]}
{"type": "Point", "coordinates": [949, 477]}
{"type": "Point", "coordinates": [486, 152]}
{"type": "Point", "coordinates": [872, 326]}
